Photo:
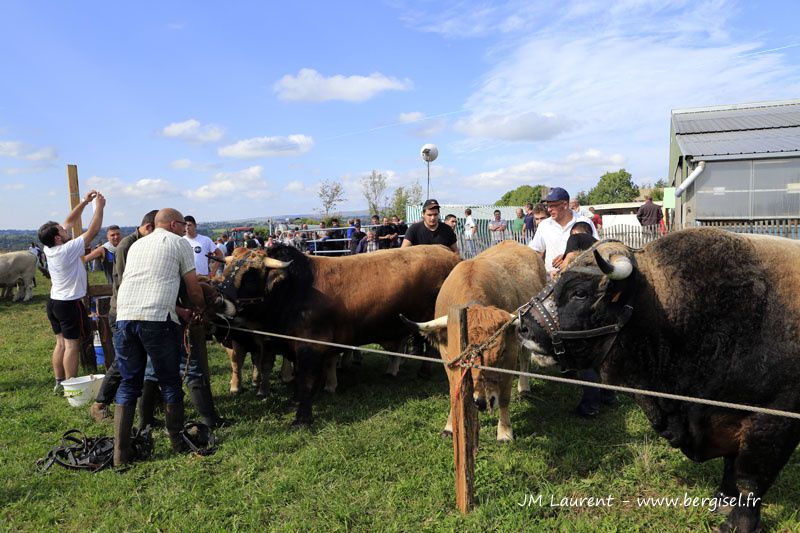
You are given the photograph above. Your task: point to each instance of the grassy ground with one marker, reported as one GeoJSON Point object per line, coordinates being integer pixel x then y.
{"type": "Point", "coordinates": [372, 461]}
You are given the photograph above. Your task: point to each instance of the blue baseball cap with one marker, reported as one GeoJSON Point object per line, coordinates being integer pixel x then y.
{"type": "Point", "coordinates": [557, 194]}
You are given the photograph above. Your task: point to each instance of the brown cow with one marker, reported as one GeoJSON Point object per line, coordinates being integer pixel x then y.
{"type": "Point", "coordinates": [353, 300]}
{"type": "Point", "coordinates": [493, 284]}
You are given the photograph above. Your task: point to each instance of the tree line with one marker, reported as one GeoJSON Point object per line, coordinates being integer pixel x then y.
{"type": "Point", "coordinates": [612, 188]}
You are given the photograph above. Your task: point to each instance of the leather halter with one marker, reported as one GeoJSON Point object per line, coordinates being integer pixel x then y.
{"type": "Point", "coordinates": [240, 303]}
{"type": "Point", "coordinates": [550, 323]}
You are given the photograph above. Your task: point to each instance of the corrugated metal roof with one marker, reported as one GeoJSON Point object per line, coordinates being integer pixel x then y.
{"type": "Point", "coordinates": [744, 118]}
{"type": "Point", "coordinates": [760, 128]}
{"type": "Point", "coordinates": [754, 141]}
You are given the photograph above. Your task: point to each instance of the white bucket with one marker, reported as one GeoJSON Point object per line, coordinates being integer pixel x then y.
{"type": "Point", "coordinates": [82, 390]}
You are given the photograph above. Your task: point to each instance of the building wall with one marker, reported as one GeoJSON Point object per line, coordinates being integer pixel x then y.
{"type": "Point", "coordinates": [746, 189]}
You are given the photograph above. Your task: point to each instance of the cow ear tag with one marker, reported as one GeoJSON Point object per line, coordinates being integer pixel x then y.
{"type": "Point", "coordinates": [615, 298]}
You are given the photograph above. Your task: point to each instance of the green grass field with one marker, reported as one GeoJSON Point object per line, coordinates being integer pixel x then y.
{"type": "Point", "coordinates": [373, 461]}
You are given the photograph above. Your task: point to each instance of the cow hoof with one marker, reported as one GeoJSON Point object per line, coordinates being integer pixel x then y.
{"type": "Point", "coordinates": [302, 423]}
{"type": "Point", "coordinates": [260, 394]}
{"type": "Point", "coordinates": [234, 391]}
{"type": "Point", "coordinates": [526, 395]}
{"type": "Point", "coordinates": [505, 440]}
{"type": "Point", "coordinates": [445, 434]}
{"type": "Point", "coordinates": [330, 390]}
{"type": "Point", "coordinates": [389, 375]}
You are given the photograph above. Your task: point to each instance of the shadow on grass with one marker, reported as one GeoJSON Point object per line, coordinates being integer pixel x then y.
{"type": "Point", "coordinates": [363, 390]}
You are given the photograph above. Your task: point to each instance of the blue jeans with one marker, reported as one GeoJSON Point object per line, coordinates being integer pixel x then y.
{"type": "Point", "coordinates": [134, 340]}
{"type": "Point", "coordinates": [198, 361]}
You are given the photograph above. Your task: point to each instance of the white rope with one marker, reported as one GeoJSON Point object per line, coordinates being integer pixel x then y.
{"type": "Point", "coordinates": [545, 377]}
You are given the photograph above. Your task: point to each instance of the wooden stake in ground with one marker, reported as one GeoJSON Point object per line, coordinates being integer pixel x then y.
{"type": "Point", "coordinates": [74, 198]}
{"type": "Point", "coordinates": [465, 415]}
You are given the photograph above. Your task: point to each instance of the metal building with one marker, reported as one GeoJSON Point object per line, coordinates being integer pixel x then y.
{"type": "Point", "coordinates": [736, 164]}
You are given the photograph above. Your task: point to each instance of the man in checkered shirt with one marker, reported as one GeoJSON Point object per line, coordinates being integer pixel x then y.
{"type": "Point", "coordinates": [147, 323]}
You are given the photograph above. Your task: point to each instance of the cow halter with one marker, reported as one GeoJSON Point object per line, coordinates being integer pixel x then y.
{"type": "Point", "coordinates": [240, 303]}
{"type": "Point", "coordinates": [549, 322]}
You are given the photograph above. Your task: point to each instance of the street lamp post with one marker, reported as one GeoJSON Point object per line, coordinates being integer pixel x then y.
{"type": "Point", "coordinates": [429, 153]}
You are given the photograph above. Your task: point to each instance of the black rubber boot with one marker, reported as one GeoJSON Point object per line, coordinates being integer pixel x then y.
{"type": "Point", "coordinates": [151, 393]}
{"type": "Point", "coordinates": [203, 401]}
{"type": "Point", "coordinates": [123, 422]}
{"type": "Point", "coordinates": [173, 413]}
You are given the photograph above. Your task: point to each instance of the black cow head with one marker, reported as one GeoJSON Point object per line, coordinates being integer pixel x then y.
{"type": "Point", "coordinates": [249, 277]}
{"type": "Point", "coordinates": [574, 318]}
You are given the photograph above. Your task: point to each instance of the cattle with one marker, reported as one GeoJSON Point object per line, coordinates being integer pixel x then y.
{"type": "Point", "coordinates": [701, 313]}
{"type": "Point", "coordinates": [18, 269]}
{"type": "Point", "coordinates": [262, 354]}
{"type": "Point", "coordinates": [351, 300]}
{"type": "Point", "coordinates": [493, 284]}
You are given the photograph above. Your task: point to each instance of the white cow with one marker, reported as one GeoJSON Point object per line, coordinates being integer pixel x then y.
{"type": "Point", "coordinates": [18, 269]}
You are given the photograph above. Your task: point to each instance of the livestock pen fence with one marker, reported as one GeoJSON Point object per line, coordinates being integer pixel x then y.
{"type": "Point", "coordinates": [461, 358]}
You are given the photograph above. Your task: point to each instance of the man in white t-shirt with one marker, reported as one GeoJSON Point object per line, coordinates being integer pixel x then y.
{"type": "Point", "coordinates": [65, 308]}
{"type": "Point", "coordinates": [470, 232]}
{"type": "Point", "coordinates": [201, 245]}
{"type": "Point", "coordinates": [550, 241]}
{"type": "Point", "coordinates": [552, 234]}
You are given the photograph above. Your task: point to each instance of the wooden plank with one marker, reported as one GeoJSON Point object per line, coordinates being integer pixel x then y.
{"type": "Point", "coordinates": [465, 414]}
{"type": "Point", "coordinates": [74, 198]}
{"type": "Point", "coordinates": [99, 290]}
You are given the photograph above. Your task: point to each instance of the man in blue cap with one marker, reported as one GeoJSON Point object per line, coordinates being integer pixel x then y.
{"type": "Point", "coordinates": [552, 234]}
{"type": "Point", "coordinates": [550, 241]}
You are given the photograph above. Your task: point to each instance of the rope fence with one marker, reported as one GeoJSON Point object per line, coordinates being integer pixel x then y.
{"type": "Point", "coordinates": [544, 377]}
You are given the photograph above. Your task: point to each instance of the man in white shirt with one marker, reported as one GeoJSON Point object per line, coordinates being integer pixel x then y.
{"type": "Point", "coordinates": [552, 234]}
{"type": "Point", "coordinates": [201, 245]}
{"type": "Point", "coordinates": [65, 308]}
{"type": "Point", "coordinates": [470, 232]}
{"type": "Point", "coordinates": [147, 324]}
{"type": "Point", "coordinates": [550, 241]}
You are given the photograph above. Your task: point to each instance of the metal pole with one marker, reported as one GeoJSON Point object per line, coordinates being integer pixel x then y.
{"type": "Point", "coordinates": [428, 193]}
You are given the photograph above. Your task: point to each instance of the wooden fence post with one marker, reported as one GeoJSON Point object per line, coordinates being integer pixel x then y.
{"type": "Point", "coordinates": [74, 198]}
{"type": "Point", "coordinates": [465, 415]}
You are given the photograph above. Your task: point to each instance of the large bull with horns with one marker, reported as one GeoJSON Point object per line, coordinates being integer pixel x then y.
{"type": "Point", "coordinates": [701, 313]}
{"type": "Point", "coordinates": [352, 300]}
{"type": "Point", "coordinates": [493, 284]}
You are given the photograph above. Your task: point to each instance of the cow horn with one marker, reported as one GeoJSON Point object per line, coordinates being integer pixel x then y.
{"type": "Point", "coordinates": [270, 262]}
{"type": "Point", "coordinates": [515, 319]}
{"type": "Point", "coordinates": [619, 269]}
{"type": "Point", "coordinates": [427, 327]}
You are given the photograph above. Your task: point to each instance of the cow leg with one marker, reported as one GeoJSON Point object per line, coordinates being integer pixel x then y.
{"type": "Point", "coordinates": [765, 449]}
{"type": "Point", "coordinates": [236, 356]}
{"type": "Point", "coordinates": [308, 365]}
{"type": "Point", "coordinates": [330, 373]}
{"type": "Point", "coordinates": [29, 290]}
{"type": "Point", "coordinates": [393, 367]}
{"type": "Point", "coordinates": [262, 368]}
{"type": "Point", "coordinates": [287, 370]}
{"type": "Point", "coordinates": [447, 432]}
{"type": "Point", "coordinates": [504, 431]}
{"type": "Point", "coordinates": [20, 290]}
{"type": "Point", "coordinates": [524, 383]}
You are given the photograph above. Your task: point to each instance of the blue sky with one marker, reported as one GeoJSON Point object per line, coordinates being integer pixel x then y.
{"type": "Point", "coordinates": [240, 109]}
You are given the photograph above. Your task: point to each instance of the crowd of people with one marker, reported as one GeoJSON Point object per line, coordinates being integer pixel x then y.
{"type": "Point", "coordinates": [156, 297]}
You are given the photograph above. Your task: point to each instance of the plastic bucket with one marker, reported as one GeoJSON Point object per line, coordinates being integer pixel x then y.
{"type": "Point", "coordinates": [82, 390]}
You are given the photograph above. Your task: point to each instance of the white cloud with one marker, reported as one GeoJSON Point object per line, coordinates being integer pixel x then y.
{"type": "Point", "coordinates": [193, 132]}
{"type": "Point", "coordinates": [248, 181]}
{"type": "Point", "coordinates": [311, 86]}
{"type": "Point", "coordinates": [413, 116]}
{"type": "Point", "coordinates": [188, 164]}
{"type": "Point", "coordinates": [150, 188]}
{"type": "Point", "coordinates": [530, 126]}
{"type": "Point", "coordinates": [297, 186]}
{"type": "Point", "coordinates": [268, 147]}
{"type": "Point", "coordinates": [12, 186]}
{"type": "Point", "coordinates": [525, 173]}
{"type": "Point", "coordinates": [20, 150]}
{"type": "Point", "coordinates": [16, 171]}
{"type": "Point", "coordinates": [593, 156]}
